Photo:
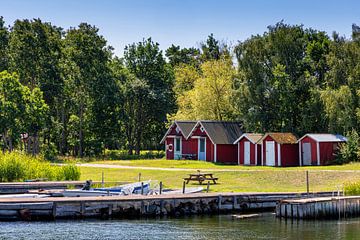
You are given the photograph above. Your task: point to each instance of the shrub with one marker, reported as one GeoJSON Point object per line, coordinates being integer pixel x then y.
{"type": "Point", "coordinates": [70, 172]}
{"type": "Point", "coordinates": [352, 188]}
{"type": "Point", "coordinates": [18, 167]}
{"type": "Point", "coordinates": [349, 151]}
{"type": "Point", "coordinates": [50, 152]}
{"type": "Point", "coordinates": [123, 154]}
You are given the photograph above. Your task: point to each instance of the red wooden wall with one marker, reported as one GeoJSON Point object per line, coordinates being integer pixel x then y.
{"type": "Point", "coordinates": [241, 146]}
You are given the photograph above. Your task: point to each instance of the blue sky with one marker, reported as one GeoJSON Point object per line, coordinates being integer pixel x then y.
{"type": "Point", "coordinates": [185, 22]}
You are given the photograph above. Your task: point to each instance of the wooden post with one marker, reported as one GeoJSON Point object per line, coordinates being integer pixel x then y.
{"type": "Point", "coordinates": [102, 179]}
{"type": "Point", "coordinates": [183, 190]}
{"type": "Point", "coordinates": [161, 186]}
{"type": "Point", "coordinates": [307, 182]}
{"type": "Point", "coordinates": [142, 188]}
{"type": "Point", "coordinates": [208, 186]}
{"type": "Point", "coordinates": [139, 177]}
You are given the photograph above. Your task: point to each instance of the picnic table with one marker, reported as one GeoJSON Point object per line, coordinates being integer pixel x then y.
{"type": "Point", "coordinates": [200, 177]}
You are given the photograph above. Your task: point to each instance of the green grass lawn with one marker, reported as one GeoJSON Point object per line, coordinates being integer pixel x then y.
{"type": "Point", "coordinates": [263, 179]}
{"type": "Point", "coordinates": [195, 164]}
{"type": "Point", "coordinates": [233, 181]}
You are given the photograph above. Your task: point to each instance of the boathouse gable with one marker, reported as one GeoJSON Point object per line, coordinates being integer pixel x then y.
{"type": "Point", "coordinates": [176, 140]}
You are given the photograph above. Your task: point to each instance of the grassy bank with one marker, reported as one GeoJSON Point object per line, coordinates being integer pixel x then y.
{"type": "Point", "coordinates": [234, 181]}
{"type": "Point", "coordinates": [19, 167]}
{"type": "Point", "coordinates": [195, 164]}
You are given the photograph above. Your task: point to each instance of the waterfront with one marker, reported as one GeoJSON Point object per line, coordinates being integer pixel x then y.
{"type": "Point", "coordinates": [203, 227]}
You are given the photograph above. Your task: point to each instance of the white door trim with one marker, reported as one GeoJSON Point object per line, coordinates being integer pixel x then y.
{"type": "Point", "coordinates": [279, 154]}
{"type": "Point", "coordinates": [300, 154]}
{"type": "Point", "coordinates": [215, 152]}
{"type": "Point", "coordinates": [256, 153]}
{"type": "Point", "coordinates": [262, 154]}
{"type": "Point", "coordinates": [318, 153]}
{"type": "Point", "coordinates": [238, 144]}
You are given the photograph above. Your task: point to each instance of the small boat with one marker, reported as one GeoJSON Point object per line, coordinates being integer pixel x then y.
{"type": "Point", "coordinates": [24, 196]}
{"type": "Point", "coordinates": [126, 189]}
{"type": "Point", "coordinates": [87, 193]}
{"type": "Point", "coordinates": [189, 190]}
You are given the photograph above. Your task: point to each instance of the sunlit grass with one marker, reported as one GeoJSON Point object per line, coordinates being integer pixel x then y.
{"type": "Point", "coordinates": [232, 181]}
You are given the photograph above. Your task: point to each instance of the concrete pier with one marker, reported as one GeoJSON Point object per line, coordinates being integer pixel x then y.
{"type": "Point", "coordinates": [319, 208]}
{"type": "Point", "coordinates": [139, 205]}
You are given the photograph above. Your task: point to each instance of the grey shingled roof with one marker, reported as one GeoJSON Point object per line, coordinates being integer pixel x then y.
{"type": "Point", "coordinates": [186, 127]}
{"type": "Point", "coordinates": [222, 132]}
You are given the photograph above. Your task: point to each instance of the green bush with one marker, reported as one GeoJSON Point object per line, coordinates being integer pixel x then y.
{"type": "Point", "coordinates": [18, 167]}
{"type": "Point", "coordinates": [123, 154]}
{"type": "Point", "coordinates": [349, 151]}
{"type": "Point", "coordinates": [70, 172]}
{"type": "Point", "coordinates": [352, 188]}
{"type": "Point", "coordinates": [50, 152]}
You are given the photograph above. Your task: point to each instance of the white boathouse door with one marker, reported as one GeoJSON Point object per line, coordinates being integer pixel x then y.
{"type": "Point", "coordinates": [306, 154]}
{"type": "Point", "coordinates": [270, 153]}
{"type": "Point", "coordinates": [177, 151]}
{"type": "Point", "coordinates": [247, 153]}
{"type": "Point", "coordinates": [202, 149]}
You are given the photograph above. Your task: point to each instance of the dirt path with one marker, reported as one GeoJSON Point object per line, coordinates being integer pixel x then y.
{"type": "Point", "coordinates": [96, 165]}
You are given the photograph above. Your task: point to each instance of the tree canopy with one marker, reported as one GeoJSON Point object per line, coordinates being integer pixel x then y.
{"type": "Point", "coordinates": [64, 90]}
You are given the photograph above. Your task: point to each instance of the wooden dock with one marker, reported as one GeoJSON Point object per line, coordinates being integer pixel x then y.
{"type": "Point", "coordinates": [139, 205]}
{"type": "Point", "coordinates": [319, 208]}
{"type": "Point", "coordinates": [24, 187]}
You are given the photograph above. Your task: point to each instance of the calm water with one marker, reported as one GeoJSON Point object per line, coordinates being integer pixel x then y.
{"type": "Point", "coordinates": [214, 227]}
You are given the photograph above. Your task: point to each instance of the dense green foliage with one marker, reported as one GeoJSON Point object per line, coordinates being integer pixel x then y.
{"type": "Point", "coordinates": [349, 152]}
{"type": "Point", "coordinates": [64, 92]}
{"type": "Point", "coordinates": [18, 167]}
{"type": "Point", "coordinates": [352, 188]}
{"type": "Point", "coordinates": [124, 155]}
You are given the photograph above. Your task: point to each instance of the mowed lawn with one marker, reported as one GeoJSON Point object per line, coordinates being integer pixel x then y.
{"type": "Point", "coordinates": [195, 164]}
{"type": "Point", "coordinates": [235, 179]}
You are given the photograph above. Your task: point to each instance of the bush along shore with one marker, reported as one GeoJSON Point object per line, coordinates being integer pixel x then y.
{"type": "Point", "coordinates": [17, 166]}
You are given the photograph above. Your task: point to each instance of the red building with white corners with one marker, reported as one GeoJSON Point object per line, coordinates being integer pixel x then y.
{"type": "Point", "coordinates": [318, 149]}
{"type": "Point", "coordinates": [249, 150]}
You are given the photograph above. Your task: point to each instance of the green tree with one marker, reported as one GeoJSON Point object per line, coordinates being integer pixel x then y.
{"type": "Point", "coordinates": [92, 89]}
{"type": "Point", "coordinates": [145, 61]}
{"type": "Point", "coordinates": [211, 94]}
{"type": "Point", "coordinates": [21, 111]}
{"type": "Point", "coordinates": [178, 56]}
{"type": "Point", "coordinates": [35, 54]}
{"type": "Point", "coordinates": [279, 74]}
{"type": "Point", "coordinates": [4, 40]}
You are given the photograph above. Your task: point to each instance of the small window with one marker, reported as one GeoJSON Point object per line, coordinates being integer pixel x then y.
{"type": "Point", "coordinates": [202, 144]}
{"type": "Point", "coordinates": [177, 145]}
{"type": "Point", "coordinates": [177, 130]}
{"type": "Point", "coordinates": [202, 129]}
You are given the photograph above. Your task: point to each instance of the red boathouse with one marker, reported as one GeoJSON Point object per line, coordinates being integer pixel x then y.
{"type": "Point", "coordinates": [177, 144]}
{"type": "Point", "coordinates": [215, 140]}
{"type": "Point", "coordinates": [249, 150]}
{"type": "Point", "coordinates": [279, 149]}
{"type": "Point", "coordinates": [318, 149]}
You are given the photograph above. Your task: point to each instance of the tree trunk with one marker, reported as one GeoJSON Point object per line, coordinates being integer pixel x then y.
{"type": "Point", "coordinates": [81, 137]}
